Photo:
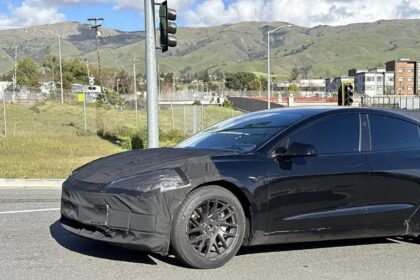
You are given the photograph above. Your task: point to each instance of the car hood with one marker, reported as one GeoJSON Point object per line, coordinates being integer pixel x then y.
{"type": "Point", "coordinates": [108, 169]}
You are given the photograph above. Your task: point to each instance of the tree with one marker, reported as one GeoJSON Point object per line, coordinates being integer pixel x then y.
{"type": "Point", "coordinates": [74, 71]}
{"type": "Point", "coordinates": [255, 85]}
{"type": "Point", "coordinates": [305, 70]}
{"type": "Point", "coordinates": [240, 80]}
{"type": "Point", "coordinates": [293, 88]}
{"type": "Point", "coordinates": [203, 76]}
{"type": "Point", "coordinates": [294, 74]}
{"type": "Point", "coordinates": [28, 73]}
{"type": "Point", "coordinates": [123, 83]}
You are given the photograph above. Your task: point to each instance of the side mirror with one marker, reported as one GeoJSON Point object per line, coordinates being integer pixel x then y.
{"type": "Point", "coordinates": [296, 149]}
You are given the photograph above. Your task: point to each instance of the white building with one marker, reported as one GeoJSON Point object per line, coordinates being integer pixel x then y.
{"type": "Point", "coordinates": [307, 87]}
{"type": "Point", "coordinates": [374, 82]}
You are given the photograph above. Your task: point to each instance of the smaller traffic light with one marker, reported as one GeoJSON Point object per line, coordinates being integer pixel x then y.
{"type": "Point", "coordinates": [167, 27]}
{"type": "Point", "coordinates": [348, 95]}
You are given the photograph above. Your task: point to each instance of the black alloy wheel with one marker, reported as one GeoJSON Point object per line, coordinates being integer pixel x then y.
{"type": "Point", "coordinates": [212, 227]}
{"type": "Point", "coordinates": [208, 228]}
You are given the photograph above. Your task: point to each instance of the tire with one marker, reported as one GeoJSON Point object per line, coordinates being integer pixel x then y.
{"type": "Point", "coordinates": [208, 239]}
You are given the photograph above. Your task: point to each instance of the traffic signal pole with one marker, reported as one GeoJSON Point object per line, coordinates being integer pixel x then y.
{"type": "Point", "coordinates": [151, 72]}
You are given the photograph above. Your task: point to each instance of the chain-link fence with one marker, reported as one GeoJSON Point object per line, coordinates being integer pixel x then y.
{"type": "Point", "coordinates": [31, 111]}
{"type": "Point", "coordinates": [392, 101]}
{"type": "Point", "coordinates": [41, 137]}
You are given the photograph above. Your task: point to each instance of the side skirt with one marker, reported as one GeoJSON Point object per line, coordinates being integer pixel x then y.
{"type": "Point", "coordinates": [324, 234]}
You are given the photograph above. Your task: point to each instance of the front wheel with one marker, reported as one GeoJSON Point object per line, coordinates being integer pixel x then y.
{"type": "Point", "coordinates": [208, 228]}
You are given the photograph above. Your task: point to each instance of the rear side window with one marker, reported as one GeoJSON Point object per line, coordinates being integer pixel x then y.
{"type": "Point", "coordinates": [393, 134]}
{"type": "Point", "coordinates": [331, 135]}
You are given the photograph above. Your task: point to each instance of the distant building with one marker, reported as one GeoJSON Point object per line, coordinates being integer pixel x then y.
{"type": "Point", "coordinates": [354, 72]}
{"type": "Point", "coordinates": [406, 76]}
{"type": "Point", "coordinates": [307, 87]}
{"type": "Point", "coordinates": [374, 82]}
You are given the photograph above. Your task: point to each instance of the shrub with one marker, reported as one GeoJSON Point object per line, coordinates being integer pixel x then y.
{"type": "Point", "coordinates": [137, 142]}
{"type": "Point", "coordinates": [227, 104]}
{"type": "Point", "coordinates": [125, 137]}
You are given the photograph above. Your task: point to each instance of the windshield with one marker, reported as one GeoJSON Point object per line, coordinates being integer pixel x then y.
{"type": "Point", "coordinates": [242, 134]}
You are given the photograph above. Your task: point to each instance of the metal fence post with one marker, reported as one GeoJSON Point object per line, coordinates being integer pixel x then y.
{"type": "Point", "coordinates": [84, 110]}
{"type": "Point", "coordinates": [173, 116]}
{"type": "Point", "coordinates": [202, 116]}
{"type": "Point", "coordinates": [194, 119]}
{"type": "Point", "coordinates": [185, 130]}
{"type": "Point", "coordinates": [4, 114]}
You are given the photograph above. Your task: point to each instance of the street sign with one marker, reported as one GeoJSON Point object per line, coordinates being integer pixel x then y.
{"type": "Point", "coordinates": [80, 97]}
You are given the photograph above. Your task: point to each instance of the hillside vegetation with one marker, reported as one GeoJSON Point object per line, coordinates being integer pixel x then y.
{"type": "Point", "coordinates": [234, 47]}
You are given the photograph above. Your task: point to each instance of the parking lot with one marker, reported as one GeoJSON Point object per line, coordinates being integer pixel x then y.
{"type": "Point", "coordinates": [35, 246]}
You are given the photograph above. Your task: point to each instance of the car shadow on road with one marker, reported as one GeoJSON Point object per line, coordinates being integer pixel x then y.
{"type": "Point", "coordinates": [102, 250]}
{"type": "Point", "coordinates": [113, 252]}
{"type": "Point", "coordinates": [313, 245]}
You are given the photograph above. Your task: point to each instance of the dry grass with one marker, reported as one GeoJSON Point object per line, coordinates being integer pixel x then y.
{"type": "Point", "coordinates": [48, 140]}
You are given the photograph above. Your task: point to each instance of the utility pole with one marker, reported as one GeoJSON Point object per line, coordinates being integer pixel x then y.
{"type": "Point", "coordinates": [135, 90]}
{"type": "Point", "coordinates": [151, 70]}
{"type": "Point", "coordinates": [88, 71]}
{"type": "Point", "coordinates": [61, 69]}
{"type": "Point", "coordinates": [95, 24]}
{"type": "Point", "coordinates": [14, 79]}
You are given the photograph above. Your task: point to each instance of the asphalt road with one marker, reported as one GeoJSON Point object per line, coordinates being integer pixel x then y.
{"type": "Point", "coordinates": [35, 246]}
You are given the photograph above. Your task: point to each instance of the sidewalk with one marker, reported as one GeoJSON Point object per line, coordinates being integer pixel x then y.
{"type": "Point", "coordinates": [31, 183]}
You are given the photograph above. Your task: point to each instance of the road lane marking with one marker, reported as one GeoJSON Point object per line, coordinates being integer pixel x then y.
{"type": "Point", "coordinates": [29, 211]}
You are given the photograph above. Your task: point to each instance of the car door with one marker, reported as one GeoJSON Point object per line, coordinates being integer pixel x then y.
{"type": "Point", "coordinates": [394, 183]}
{"type": "Point", "coordinates": [326, 191]}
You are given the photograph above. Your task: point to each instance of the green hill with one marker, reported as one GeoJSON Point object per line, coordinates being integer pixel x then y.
{"type": "Point", "coordinates": [330, 50]}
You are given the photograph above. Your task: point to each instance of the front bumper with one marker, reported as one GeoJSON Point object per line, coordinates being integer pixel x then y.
{"type": "Point", "coordinates": [141, 222]}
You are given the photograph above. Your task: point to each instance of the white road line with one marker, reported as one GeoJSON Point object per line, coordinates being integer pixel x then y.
{"type": "Point", "coordinates": [30, 211]}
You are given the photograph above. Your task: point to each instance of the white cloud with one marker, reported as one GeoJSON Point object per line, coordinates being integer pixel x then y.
{"type": "Point", "coordinates": [301, 12]}
{"type": "Point", "coordinates": [37, 12]}
{"type": "Point", "coordinates": [27, 14]}
{"type": "Point", "coordinates": [139, 5]}
{"type": "Point", "coordinates": [216, 12]}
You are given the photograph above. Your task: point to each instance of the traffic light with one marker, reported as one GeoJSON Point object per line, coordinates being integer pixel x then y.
{"type": "Point", "coordinates": [345, 94]}
{"type": "Point", "coordinates": [167, 27]}
{"type": "Point", "coordinates": [348, 94]}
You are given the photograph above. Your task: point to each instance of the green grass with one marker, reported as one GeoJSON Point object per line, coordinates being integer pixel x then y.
{"type": "Point", "coordinates": [48, 140]}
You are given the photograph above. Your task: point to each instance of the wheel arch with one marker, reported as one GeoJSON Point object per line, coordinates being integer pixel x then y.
{"type": "Point", "coordinates": [243, 199]}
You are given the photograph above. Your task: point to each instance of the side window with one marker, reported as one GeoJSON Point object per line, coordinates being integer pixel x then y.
{"type": "Point", "coordinates": [331, 135]}
{"type": "Point", "coordinates": [393, 134]}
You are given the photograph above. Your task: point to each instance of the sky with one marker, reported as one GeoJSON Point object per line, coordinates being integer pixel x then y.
{"type": "Point", "coordinates": [127, 15]}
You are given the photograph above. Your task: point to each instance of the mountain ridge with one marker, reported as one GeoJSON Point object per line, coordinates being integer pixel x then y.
{"type": "Point", "coordinates": [327, 50]}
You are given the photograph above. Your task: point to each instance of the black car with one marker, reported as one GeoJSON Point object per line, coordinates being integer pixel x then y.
{"type": "Point", "coordinates": [279, 176]}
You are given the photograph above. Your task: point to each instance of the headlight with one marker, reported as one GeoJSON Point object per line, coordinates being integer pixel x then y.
{"type": "Point", "coordinates": [162, 180]}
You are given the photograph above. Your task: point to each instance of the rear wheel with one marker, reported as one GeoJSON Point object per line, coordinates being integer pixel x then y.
{"type": "Point", "coordinates": [208, 228]}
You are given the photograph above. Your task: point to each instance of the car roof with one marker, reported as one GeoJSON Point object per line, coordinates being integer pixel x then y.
{"type": "Point", "coordinates": [307, 112]}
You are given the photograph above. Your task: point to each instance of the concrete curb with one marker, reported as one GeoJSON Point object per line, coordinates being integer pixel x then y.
{"type": "Point", "coordinates": [31, 183]}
